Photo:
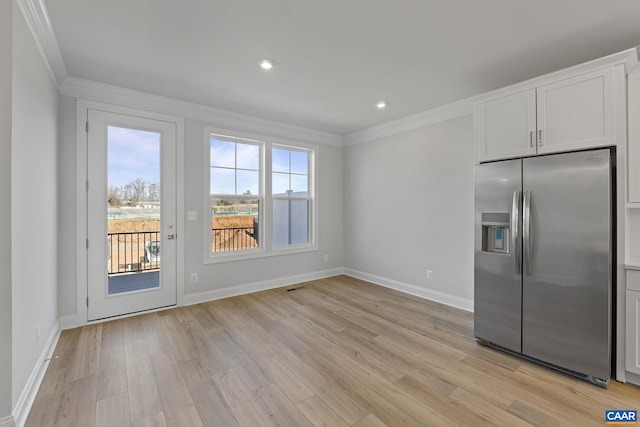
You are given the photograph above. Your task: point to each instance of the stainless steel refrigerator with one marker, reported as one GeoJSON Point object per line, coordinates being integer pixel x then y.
{"type": "Point", "coordinates": [543, 260]}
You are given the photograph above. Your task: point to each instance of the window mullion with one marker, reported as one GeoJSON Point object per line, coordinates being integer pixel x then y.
{"type": "Point", "coordinates": [290, 189]}
{"type": "Point", "coordinates": [266, 177]}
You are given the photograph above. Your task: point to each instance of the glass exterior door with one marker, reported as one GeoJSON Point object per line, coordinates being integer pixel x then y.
{"type": "Point", "coordinates": [131, 170]}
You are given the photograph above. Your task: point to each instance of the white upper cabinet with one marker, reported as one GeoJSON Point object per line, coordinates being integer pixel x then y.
{"type": "Point", "coordinates": [633, 154]}
{"type": "Point", "coordinates": [566, 115]}
{"type": "Point", "coordinates": [577, 113]}
{"type": "Point", "coordinates": [505, 127]}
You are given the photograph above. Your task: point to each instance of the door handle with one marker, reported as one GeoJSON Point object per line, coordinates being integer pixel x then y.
{"type": "Point", "coordinates": [531, 139]}
{"type": "Point", "coordinates": [171, 236]}
{"type": "Point", "coordinates": [540, 137]}
{"type": "Point", "coordinates": [526, 231]}
{"type": "Point", "coordinates": [515, 230]}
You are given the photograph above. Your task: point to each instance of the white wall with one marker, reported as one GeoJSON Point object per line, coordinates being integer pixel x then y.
{"type": "Point", "coordinates": [6, 29]}
{"type": "Point", "coordinates": [33, 203]}
{"type": "Point", "coordinates": [67, 259]}
{"type": "Point", "coordinates": [224, 275]}
{"type": "Point", "coordinates": [212, 277]}
{"type": "Point", "coordinates": [409, 209]}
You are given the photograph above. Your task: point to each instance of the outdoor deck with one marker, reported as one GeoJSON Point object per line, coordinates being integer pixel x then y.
{"type": "Point", "coordinates": [129, 282]}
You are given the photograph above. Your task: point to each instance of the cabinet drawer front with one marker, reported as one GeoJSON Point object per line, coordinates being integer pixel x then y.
{"type": "Point", "coordinates": [633, 280]}
{"type": "Point", "coordinates": [633, 332]}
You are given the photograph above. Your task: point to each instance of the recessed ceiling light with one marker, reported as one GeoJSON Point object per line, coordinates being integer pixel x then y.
{"type": "Point", "coordinates": [265, 64]}
{"type": "Point", "coordinates": [381, 105]}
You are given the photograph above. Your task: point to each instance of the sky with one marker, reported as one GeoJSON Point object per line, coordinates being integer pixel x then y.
{"type": "Point", "coordinates": [225, 157]}
{"type": "Point", "coordinates": [235, 168]}
{"type": "Point", "coordinates": [132, 154]}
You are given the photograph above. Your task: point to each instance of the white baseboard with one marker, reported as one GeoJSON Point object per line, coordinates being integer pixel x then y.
{"type": "Point", "coordinates": [231, 291]}
{"type": "Point", "coordinates": [68, 322]}
{"type": "Point", "coordinates": [452, 300]}
{"type": "Point", "coordinates": [28, 396]}
{"type": "Point", "coordinates": [21, 411]}
{"type": "Point", "coordinates": [248, 288]}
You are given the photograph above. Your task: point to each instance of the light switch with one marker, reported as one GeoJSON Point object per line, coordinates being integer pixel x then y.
{"type": "Point", "coordinates": [192, 215]}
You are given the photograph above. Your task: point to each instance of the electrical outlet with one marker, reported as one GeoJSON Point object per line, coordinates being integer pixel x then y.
{"type": "Point", "coordinates": [192, 215]}
{"type": "Point", "coordinates": [429, 274]}
{"type": "Point", "coordinates": [326, 258]}
{"type": "Point", "coordinates": [37, 333]}
{"type": "Point", "coordinates": [194, 277]}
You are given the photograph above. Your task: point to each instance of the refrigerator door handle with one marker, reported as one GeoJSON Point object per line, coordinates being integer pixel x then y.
{"type": "Point", "coordinates": [526, 231]}
{"type": "Point", "coordinates": [515, 230]}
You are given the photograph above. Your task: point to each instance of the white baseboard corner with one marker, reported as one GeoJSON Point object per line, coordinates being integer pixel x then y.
{"type": "Point", "coordinates": [7, 422]}
{"type": "Point", "coordinates": [68, 322]}
{"type": "Point", "coordinates": [248, 288]}
{"type": "Point", "coordinates": [441, 297]}
{"type": "Point", "coordinates": [28, 396]}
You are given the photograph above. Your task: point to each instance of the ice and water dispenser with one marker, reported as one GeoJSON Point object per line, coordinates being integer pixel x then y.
{"type": "Point", "coordinates": [495, 232]}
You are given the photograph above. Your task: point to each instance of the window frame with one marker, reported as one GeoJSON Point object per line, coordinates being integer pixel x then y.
{"type": "Point", "coordinates": [266, 248]}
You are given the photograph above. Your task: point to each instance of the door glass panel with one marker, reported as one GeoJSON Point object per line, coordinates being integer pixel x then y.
{"type": "Point", "coordinates": [133, 209]}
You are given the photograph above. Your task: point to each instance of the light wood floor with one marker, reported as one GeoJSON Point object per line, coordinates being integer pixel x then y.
{"type": "Point", "coordinates": [333, 352]}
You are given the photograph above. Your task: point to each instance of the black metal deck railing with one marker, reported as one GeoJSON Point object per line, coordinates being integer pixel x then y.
{"type": "Point", "coordinates": [140, 250]}
{"type": "Point", "coordinates": [133, 251]}
{"type": "Point", "coordinates": [233, 239]}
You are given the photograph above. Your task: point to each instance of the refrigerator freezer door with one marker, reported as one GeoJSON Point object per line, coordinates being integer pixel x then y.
{"type": "Point", "coordinates": [497, 280]}
{"type": "Point", "coordinates": [567, 279]}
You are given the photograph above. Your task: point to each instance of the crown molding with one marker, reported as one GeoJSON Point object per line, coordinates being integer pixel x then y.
{"type": "Point", "coordinates": [632, 65]}
{"type": "Point", "coordinates": [414, 121]}
{"type": "Point", "coordinates": [90, 90]}
{"type": "Point", "coordinates": [37, 18]}
{"type": "Point", "coordinates": [566, 73]}
{"type": "Point", "coordinates": [630, 58]}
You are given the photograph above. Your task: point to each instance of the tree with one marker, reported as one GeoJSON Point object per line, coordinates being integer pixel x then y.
{"type": "Point", "coordinates": [245, 201]}
{"type": "Point", "coordinates": [127, 192]}
{"type": "Point", "coordinates": [113, 196]}
{"type": "Point", "coordinates": [154, 191]}
{"type": "Point", "coordinates": [138, 187]}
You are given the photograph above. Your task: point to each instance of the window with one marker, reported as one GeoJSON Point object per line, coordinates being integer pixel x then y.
{"type": "Point", "coordinates": [291, 201]}
{"type": "Point", "coordinates": [260, 198]}
{"type": "Point", "coordinates": [234, 189]}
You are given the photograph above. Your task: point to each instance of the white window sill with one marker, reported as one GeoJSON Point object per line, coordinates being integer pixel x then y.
{"type": "Point", "coordinates": [256, 254]}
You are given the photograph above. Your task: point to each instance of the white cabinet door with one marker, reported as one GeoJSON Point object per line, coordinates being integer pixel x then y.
{"type": "Point", "coordinates": [577, 113]}
{"type": "Point", "coordinates": [633, 329]}
{"type": "Point", "coordinates": [505, 127]}
{"type": "Point", "coordinates": [634, 137]}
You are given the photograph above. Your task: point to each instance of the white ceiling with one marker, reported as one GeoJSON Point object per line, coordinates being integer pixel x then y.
{"type": "Point", "coordinates": [334, 58]}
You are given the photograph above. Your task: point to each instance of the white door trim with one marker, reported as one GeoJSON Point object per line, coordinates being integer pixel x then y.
{"type": "Point", "coordinates": [82, 107]}
{"type": "Point", "coordinates": [162, 136]}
